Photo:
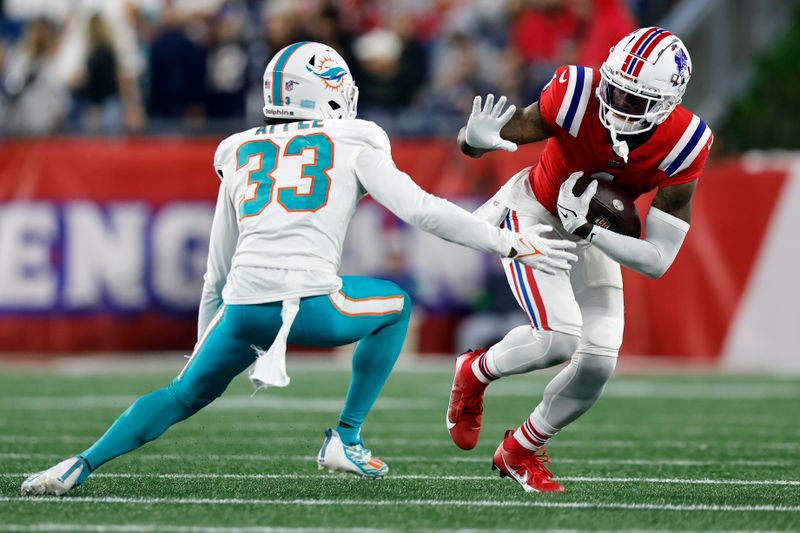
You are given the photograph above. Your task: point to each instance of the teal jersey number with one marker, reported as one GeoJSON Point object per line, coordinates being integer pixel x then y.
{"type": "Point", "coordinates": [267, 152]}
{"type": "Point", "coordinates": [288, 197]}
{"type": "Point", "coordinates": [317, 196]}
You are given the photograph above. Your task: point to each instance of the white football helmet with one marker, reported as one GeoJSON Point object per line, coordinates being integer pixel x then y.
{"type": "Point", "coordinates": [309, 80]}
{"type": "Point", "coordinates": [642, 80]}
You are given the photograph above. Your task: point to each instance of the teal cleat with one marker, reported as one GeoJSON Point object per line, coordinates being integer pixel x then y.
{"type": "Point", "coordinates": [57, 480]}
{"type": "Point", "coordinates": [355, 459]}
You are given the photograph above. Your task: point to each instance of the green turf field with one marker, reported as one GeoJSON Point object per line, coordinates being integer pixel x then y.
{"type": "Point", "coordinates": [658, 452]}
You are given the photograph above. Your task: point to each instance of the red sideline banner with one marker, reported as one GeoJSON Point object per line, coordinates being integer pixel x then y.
{"type": "Point", "coordinates": [103, 245]}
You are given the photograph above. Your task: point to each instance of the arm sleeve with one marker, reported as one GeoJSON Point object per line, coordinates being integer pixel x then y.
{"type": "Point", "coordinates": [224, 234]}
{"type": "Point", "coordinates": [398, 192]}
{"type": "Point", "coordinates": [651, 256]}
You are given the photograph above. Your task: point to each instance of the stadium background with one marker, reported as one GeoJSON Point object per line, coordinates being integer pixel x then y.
{"type": "Point", "coordinates": [110, 111]}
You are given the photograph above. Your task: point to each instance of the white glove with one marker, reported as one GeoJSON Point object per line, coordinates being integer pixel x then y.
{"type": "Point", "coordinates": [540, 253]}
{"type": "Point", "coordinates": [572, 209]}
{"type": "Point", "coordinates": [484, 125]}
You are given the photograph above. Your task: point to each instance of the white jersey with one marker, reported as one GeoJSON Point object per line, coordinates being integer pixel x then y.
{"type": "Point", "coordinates": [287, 196]}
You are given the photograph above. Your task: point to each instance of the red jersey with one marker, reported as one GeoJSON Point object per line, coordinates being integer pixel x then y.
{"type": "Point", "coordinates": [675, 153]}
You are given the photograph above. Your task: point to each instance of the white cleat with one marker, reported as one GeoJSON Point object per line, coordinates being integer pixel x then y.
{"type": "Point", "coordinates": [58, 480]}
{"type": "Point", "coordinates": [355, 459]}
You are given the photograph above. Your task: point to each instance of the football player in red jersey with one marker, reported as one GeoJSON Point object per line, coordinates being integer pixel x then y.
{"type": "Point", "coordinates": [624, 123]}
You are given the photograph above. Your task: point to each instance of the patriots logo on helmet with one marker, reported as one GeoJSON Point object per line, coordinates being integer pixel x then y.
{"type": "Point", "coordinates": [682, 63]}
{"type": "Point", "coordinates": [331, 74]}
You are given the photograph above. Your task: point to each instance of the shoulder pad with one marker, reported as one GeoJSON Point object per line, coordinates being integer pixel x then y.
{"type": "Point", "coordinates": [574, 87]}
{"type": "Point", "coordinates": [223, 154]}
{"type": "Point", "coordinates": [695, 137]}
{"type": "Point", "coordinates": [363, 132]}
{"type": "Point", "coordinates": [376, 137]}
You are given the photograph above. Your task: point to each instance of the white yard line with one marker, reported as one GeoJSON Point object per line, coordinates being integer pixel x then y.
{"type": "Point", "coordinates": [422, 459]}
{"type": "Point", "coordinates": [230, 402]}
{"type": "Point", "coordinates": [617, 389]}
{"type": "Point", "coordinates": [444, 442]}
{"type": "Point", "coordinates": [260, 428]}
{"type": "Point", "coordinates": [431, 477]}
{"type": "Point", "coordinates": [147, 528]}
{"type": "Point", "coordinates": [413, 503]}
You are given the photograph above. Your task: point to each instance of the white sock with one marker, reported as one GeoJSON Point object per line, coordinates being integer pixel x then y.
{"type": "Point", "coordinates": [482, 370]}
{"type": "Point", "coordinates": [532, 434]}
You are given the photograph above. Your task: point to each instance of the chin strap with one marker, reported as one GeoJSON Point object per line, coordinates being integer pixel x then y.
{"type": "Point", "coordinates": [620, 147]}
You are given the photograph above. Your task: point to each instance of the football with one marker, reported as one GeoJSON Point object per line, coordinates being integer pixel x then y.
{"type": "Point", "coordinates": [611, 207]}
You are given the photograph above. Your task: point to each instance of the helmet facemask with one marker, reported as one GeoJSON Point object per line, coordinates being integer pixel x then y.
{"type": "Point", "coordinates": [626, 109]}
{"type": "Point", "coordinates": [350, 94]}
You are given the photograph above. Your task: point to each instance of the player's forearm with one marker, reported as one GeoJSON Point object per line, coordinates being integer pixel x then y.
{"type": "Point", "coordinates": [652, 256]}
{"type": "Point", "coordinates": [451, 223]}
{"type": "Point", "coordinates": [526, 126]}
{"type": "Point", "coordinates": [397, 192]}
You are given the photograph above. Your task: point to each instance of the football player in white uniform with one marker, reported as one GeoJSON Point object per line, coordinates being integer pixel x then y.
{"type": "Point", "coordinates": [288, 191]}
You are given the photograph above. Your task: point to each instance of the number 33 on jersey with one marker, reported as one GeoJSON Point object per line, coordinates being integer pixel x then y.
{"type": "Point", "coordinates": [267, 169]}
{"type": "Point", "coordinates": [292, 189]}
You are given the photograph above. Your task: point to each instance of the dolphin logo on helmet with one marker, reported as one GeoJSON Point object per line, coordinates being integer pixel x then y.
{"type": "Point", "coordinates": [322, 85]}
{"type": "Point", "coordinates": [333, 75]}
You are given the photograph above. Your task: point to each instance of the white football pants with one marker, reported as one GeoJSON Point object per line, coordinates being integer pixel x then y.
{"type": "Point", "coordinates": [579, 314]}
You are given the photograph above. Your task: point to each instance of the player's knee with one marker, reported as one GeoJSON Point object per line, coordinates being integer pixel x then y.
{"type": "Point", "coordinates": [594, 370]}
{"type": "Point", "coordinates": [191, 400]}
{"type": "Point", "coordinates": [562, 346]}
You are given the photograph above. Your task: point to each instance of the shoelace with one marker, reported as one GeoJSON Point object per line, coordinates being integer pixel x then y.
{"type": "Point", "coordinates": [537, 461]}
{"type": "Point", "coordinates": [360, 451]}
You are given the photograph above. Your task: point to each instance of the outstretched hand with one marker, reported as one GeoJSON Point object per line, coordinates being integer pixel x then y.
{"type": "Point", "coordinates": [485, 123]}
{"type": "Point", "coordinates": [541, 253]}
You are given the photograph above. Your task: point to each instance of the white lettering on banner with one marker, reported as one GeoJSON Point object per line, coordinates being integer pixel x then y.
{"type": "Point", "coordinates": [104, 255]}
{"type": "Point", "coordinates": [27, 233]}
{"type": "Point", "coordinates": [180, 248]}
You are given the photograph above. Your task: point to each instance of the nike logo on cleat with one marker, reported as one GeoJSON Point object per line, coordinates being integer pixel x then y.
{"type": "Point", "coordinates": [450, 425]}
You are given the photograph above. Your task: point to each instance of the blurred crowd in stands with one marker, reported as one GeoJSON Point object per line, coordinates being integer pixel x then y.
{"type": "Point", "coordinates": [164, 66]}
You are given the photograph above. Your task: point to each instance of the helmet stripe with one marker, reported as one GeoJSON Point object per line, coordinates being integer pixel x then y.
{"type": "Point", "coordinates": [650, 49]}
{"type": "Point", "coordinates": [634, 61]}
{"type": "Point", "coordinates": [640, 50]}
{"type": "Point", "coordinates": [277, 73]}
{"type": "Point", "coordinates": [642, 39]}
{"type": "Point", "coordinates": [627, 63]}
